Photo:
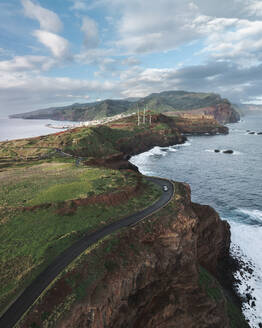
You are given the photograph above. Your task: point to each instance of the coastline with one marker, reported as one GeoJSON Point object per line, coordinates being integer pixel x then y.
{"type": "Point", "coordinates": [121, 162]}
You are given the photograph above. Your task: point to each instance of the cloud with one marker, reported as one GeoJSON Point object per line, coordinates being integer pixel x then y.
{"type": "Point", "coordinates": [57, 44]}
{"type": "Point", "coordinates": [91, 34]}
{"type": "Point", "coordinates": [238, 40]}
{"type": "Point", "coordinates": [228, 28]}
{"type": "Point", "coordinates": [147, 26]}
{"type": "Point", "coordinates": [130, 61]}
{"type": "Point", "coordinates": [75, 96]}
{"type": "Point", "coordinates": [79, 5]}
{"type": "Point", "coordinates": [21, 92]}
{"type": "Point", "coordinates": [230, 80]}
{"type": "Point", "coordinates": [47, 19]}
{"type": "Point", "coordinates": [27, 63]}
{"type": "Point", "coordinates": [255, 8]}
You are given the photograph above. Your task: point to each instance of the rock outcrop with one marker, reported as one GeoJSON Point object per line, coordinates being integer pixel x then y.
{"type": "Point", "coordinates": [153, 275]}
{"type": "Point", "coordinates": [222, 112]}
{"type": "Point", "coordinates": [225, 113]}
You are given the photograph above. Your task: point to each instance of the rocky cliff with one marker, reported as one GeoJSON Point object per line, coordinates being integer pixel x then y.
{"type": "Point", "coordinates": [166, 101]}
{"type": "Point", "coordinates": [222, 112]}
{"type": "Point", "coordinates": [156, 274]}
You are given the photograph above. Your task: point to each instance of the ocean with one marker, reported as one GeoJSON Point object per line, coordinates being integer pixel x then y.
{"type": "Point", "coordinates": [231, 183]}
{"type": "Point", "coordinates": [19, 128]}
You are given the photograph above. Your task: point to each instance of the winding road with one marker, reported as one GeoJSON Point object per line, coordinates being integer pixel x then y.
{"type": "Point", "coordinates": [23, 302]}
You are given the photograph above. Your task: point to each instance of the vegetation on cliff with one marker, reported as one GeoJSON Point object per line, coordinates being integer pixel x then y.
{"type": "Point", "coordinates": [148, 273]}
{"type": "Point", "coordinates": [148, 276]}
{"type": "Point", "coordinates": [44, 208]}
{"type": "Point", "coordinates": [118, 138]}
{"type": "Point", "coordinates": [158, 102]}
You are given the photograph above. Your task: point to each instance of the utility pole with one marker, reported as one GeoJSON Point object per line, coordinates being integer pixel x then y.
{"type": "Point", "coordinates": [138, 116]}
{"type": "Point", "coordinates": [144, 117]}
{"type": "Point", "coordinates": [150, 119]}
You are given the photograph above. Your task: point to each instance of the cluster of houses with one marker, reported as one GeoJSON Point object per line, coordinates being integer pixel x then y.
{"type": "Point", "coordinates": [89, 123]}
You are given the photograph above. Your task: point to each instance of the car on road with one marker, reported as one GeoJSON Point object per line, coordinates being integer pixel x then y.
{"type": "Point", "coordinates": [165, 188]}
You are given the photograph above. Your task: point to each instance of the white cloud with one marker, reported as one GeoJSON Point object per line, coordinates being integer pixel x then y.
{"type": "Point", "coordinates": [20, 92]}
{"type": "Point", "coordinates": [74, 96]}
{"type": "Point", "coordinates": [79, 5]}
{"type": "Point", "coordinates": [255, 8]}
{"type": "Point", "coordinates": [230, 80]}
{"type": "Point", "coordinates": [91, 34]}
{"type": "Point", "coordinates": [147, 26]}
{"type": "Point", "coordinates": [27, 63]}
{"type": "Point", "coordinates": [240, 41]}
{"type": "Point", "coordinates": [47, 19]}
{"type": "Point", "coordinates": [57, 44]}
{"type": "Point", "coordinates": [130, 61]}
{"type": "Point", "coordinates": [229, 28]}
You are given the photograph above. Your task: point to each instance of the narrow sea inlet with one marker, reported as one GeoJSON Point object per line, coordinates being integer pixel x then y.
{"type": "Point", "coordinates": [231, 183]}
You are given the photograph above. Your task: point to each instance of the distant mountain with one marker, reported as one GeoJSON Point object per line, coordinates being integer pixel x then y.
{"type": "Point", "coordinates": [167, 101]}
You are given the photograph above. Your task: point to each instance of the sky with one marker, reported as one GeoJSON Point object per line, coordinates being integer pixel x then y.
{"type": "Point", "coordinates": [59, 52]}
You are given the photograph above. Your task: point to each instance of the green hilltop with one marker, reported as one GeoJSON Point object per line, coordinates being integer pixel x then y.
{"type": "Point", "coordinates": [158, 102]}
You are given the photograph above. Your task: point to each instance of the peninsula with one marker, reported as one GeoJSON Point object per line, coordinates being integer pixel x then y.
{"type": "Point", "coordinates": [169, 268]}
{"type": "Point", "coordinates": [178, 102]}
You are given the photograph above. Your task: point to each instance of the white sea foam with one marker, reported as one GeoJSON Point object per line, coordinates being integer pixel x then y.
{"type": "Point", "coordinates": [253, 214]}
{"type": "Point", "coordinates": [246, 244]}
{"type": "Point", "coordinates": [186, 144]}
{"type": "Point", "coordinates": [159, 151]}
{"type": "Point", "coordinates": [172, 149]}
{"type": "Point", "coordinates": [142, 159]}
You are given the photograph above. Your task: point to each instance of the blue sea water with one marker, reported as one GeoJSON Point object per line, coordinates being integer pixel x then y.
{"type": "Point", "coordinates": [232, 184]}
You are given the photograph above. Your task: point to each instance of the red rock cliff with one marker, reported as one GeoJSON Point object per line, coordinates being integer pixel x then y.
{"type": "Point", "coordinates": [152, 275]}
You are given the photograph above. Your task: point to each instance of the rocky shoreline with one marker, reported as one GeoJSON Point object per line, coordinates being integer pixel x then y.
{"type": "Point", "coordinates": [156, 274]}
{"type": "Point", "coordinates": [178, 278]}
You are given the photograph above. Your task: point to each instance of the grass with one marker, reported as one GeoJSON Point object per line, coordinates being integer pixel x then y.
{"type": "Point", "coordinates": [54, 182]}
{"type": "Point", "coordinates": [88, 272]}
{"type": "Point", "coordinates": [207, 282]}
{"type": "Point", "coordinates": [96, 142]}
{"type": "Point", "coordinates": [30, 240]}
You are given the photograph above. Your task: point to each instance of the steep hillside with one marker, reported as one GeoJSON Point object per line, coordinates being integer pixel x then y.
{"type": "Point", "coordinates": [157, 274]}
{"type": "Point", "coordinates": [158, 102]}
{"type": "Point", "coordinates": [160, 273]}
{"type": "Point", "coordinates": [105, 144]}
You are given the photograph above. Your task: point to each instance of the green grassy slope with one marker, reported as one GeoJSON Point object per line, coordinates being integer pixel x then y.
{"type": "Point", "coordinates": [32, 238]}
{"type": "Point", "coordinates": [159, 102]}
{"type": "Point", "coordinates": [96, 142]}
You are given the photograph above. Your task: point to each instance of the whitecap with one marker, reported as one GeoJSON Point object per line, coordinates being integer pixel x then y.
{"type": "Point", "coordinates": [252, 213]}
{"type": "Point", "coordinates": [172, 149]}
{"type": "Point", "coordinates": [185, 144]}
{"type": "Point", "coordinates": [237, 152]}
{"type": "Point", "coordinates": [246, 246]}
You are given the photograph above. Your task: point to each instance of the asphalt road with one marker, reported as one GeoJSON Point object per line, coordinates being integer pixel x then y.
{"type": "Point", "coordinates": [34, 290]}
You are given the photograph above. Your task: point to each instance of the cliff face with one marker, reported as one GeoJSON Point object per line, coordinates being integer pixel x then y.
{"type": "Point", "coordinates": [152, 275]}
{"type": "Point", "coordinates": [223, 113]}
{"type": "Point", "coordinates": [158, 102]}
{"type": "Point", "coordinates": [160, 287]}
